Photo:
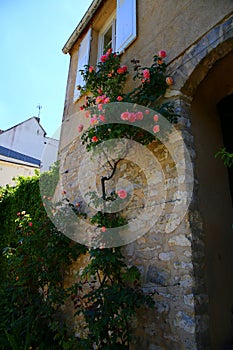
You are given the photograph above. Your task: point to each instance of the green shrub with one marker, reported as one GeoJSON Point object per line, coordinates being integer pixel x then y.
{"type": "Point", "coordinates": [34, 258]}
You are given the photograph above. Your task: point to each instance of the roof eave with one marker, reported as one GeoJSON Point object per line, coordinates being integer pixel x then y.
{"type": "Point", "coordinates": [81, 26]}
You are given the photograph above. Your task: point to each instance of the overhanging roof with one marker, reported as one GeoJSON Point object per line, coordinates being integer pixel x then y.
{"type": "Point", "coordinates": [82, 25]}
{"type": "Point", "coordinates": [13, 155]}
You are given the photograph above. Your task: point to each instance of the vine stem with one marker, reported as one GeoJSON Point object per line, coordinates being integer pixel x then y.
{"type": "Point", "coordinates": [107, 178]}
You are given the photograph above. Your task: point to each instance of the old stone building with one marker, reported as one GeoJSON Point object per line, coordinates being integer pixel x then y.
{"type": "Point", "coordinates": [189, 265]}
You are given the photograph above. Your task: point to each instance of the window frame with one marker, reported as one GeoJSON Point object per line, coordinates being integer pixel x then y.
{"type": "Point", "coordinates": [111, 21]}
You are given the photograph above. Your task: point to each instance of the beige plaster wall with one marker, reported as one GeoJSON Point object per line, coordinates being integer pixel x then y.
{"type": "Point", "coordinates": [9, 170]}
{"type": "Point", "coordinates": [172, 25]}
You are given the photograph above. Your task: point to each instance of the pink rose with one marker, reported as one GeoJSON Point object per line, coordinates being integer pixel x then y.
{"type": "Point", "coordinates": [139, 115]}
{"type": "Point", "coordinates": [94, 139]}
{"type": "Point", "coordinates": [103, 58]}
{"type": "Point", "coordinates": [94, 120]}
{"type": "Point", "coordinates": [103, 229]}
{"type": "Point", "coordinates": [108, 53]}
{"type": "Point", "coordinates": [87, 114]}
{"type": "Point", "coordinates": [162, 54]}
{"type": "Point", "coordinates": [120, 70]}
{"type": "Point", "coordinates": [18, 214]}
{"type": "Point", "coordinates": [125, 115]}
{"type": "Point", "coordinates": [100, 107]}
{"type": "Point", "coordinates": [156, 117]}
{"type": "Point", "coordinates": [30, 224]}
{"type": "Point", "coordinates": [80, 127]}
{"type": "Point", "coordinates": [91, 68]}
{"type": "Point", "coordinates": [156, 129]}
{"type": "Point", "coordinates": [119, 98]}
{"type": "Point", "coordinates": [102, 118]}
{"type": "Point", "coordinates": [132, 117]}
{"type": "Point", "coordinates": [98, 99]}
{"type": "Point", "coordinates": [169, 81]}
{"type": "Point", "coordinates": [122, 194]}
{"type": "Point", "coordinates": [106, 100]}
{"type": "Point", "coordinates": [146, 74]}
{"type": "Point", "coordinates": [147, 111]}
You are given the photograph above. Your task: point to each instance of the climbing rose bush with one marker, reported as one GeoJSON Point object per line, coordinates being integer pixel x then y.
{"type": "Point", "coordinates": [105, 84]}
{"type": "Point", "coordinates": [108, 307]}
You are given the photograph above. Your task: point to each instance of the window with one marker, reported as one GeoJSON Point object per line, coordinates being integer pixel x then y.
{"type": "Point", "coordinates": [118, 33]}
{"type": "Point", "coordinates": [120, 30]}
{"type": "Point", "coordinates": [107, 36]}
{"type": "Point", "coordinates": [83, 58]}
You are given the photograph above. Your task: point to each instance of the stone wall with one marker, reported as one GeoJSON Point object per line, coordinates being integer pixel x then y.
{"type": "Point", "coordinates": [172, 262]}
{"type": "Point", "coordinates": [164, 254]}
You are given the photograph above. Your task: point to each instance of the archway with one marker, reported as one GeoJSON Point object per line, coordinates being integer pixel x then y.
{"type": "Point", "coordinates": [214, 197]}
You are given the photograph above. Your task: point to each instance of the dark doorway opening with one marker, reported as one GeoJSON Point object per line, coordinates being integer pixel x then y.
{"type": "Point", "coordinates": [225, 111]}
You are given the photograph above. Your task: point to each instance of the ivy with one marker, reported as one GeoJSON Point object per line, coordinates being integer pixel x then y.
{"type": "Point", "coordinates": [226, 157]}
{"type": "Point", "coordinates": [34, 260]}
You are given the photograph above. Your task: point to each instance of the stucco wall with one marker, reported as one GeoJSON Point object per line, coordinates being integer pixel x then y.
{"type": "Point", "coordinates": [29, 138]}
{"type": "Point", "coordinates": [170, 25]}
{"type": "Point", "coordinates": [26, 138]}
{"type": "Point", "coordinates": [9, 170]}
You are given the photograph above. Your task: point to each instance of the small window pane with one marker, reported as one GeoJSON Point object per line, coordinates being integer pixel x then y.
{"type": "Point", "coordinates": [108, 39]}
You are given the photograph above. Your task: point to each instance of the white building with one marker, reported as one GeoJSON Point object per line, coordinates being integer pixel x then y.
{"type": "Point", "coordinates": [24, 148]}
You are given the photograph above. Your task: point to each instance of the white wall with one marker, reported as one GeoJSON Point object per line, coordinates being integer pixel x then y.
{"type": "Point", "coordinates": [9, 170]}
{"type": "Point", "coordinates": [26, 138]}
{"type": "Point", "coordinates": [29, 138]}
{"type": "Point", "coordinates": [49, 153]}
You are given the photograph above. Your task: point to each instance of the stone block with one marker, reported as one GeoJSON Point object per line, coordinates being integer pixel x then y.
{"type": "Point", "coordinates": [189, 300]}
{"type": "Point", "coordinates": [156, 275]}
{"type": "Point", "coordinates": [185, 321]}
{"type": "Point", "coordinates": [167, 256]}
{"type": "Point", "coordinates": [179, 240]}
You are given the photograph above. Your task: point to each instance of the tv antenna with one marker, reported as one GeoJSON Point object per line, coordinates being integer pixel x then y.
{"type": "Point", "coordinates": [39, 108]}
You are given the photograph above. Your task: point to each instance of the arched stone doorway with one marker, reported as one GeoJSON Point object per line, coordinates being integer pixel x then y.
{"type": "Point", "coordinates": [214, 198]}
{"type": "Point", "coordinates": [203, 83]}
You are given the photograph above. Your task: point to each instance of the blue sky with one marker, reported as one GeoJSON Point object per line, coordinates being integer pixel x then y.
{"type": "Point", "coordinates": [33, 69]}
